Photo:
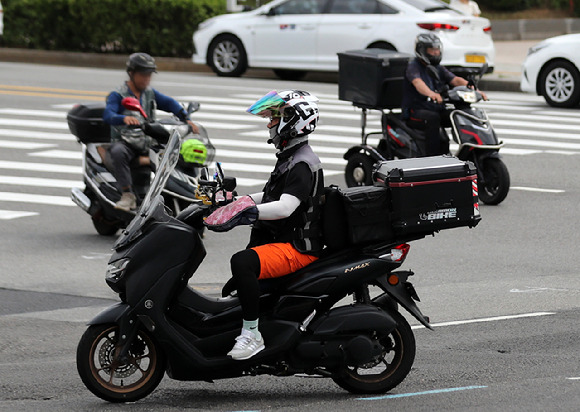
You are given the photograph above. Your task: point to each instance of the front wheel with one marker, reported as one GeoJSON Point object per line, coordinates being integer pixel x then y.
{"type": "Point", "coordinates": [227, 57]}
{"type": "Point", "coordinates": [495, 185]}
{"type": "Point", "coordinates": [116, 380]}
{"type": "Point", "coordinates": [387, 372]}
{"type": "Point", "coordinates": [104, 227]}
{"type": "Point", "coordinates": [359, 170]}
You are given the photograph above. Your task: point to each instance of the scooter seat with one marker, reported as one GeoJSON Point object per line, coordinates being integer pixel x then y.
{"type": "Point", "coordinates": [193, 299]}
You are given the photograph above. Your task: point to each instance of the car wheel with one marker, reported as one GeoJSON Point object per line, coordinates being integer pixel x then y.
{"type": "Point", "coordinates": [382, 45]}
{"type": "Point", "coordinates": [290, 74]}
{"type": "Point", "coordinates": [560, 84]}
{"type": "Point", "coordinates": [227, 57]}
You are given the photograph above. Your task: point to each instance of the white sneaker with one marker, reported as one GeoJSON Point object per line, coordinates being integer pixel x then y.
{"type": "Point", "coordinates": [247, 345]}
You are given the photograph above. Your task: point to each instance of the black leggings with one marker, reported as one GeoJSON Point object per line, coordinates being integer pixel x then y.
{"type": "Point", "coordinates": [431, 122]}
{"type": "Point", "coordinates": [246, 270]}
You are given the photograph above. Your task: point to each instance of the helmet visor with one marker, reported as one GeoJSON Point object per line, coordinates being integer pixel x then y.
{"type": "Point", "coordinates": [268, 106]}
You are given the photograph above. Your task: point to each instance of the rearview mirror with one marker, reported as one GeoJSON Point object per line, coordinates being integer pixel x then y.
{"type": "Point", "coordinates": [192, 107]}
{"type": "Point", "coordinates": [229, 184]}
{"type": "Point", "coordinates": [483, 69]}
{"type": "Point", "coordinates": [132, 104]}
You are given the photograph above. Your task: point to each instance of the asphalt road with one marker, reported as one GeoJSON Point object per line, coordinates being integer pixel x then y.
{"type": "Point", "coordinates": [513, 280]}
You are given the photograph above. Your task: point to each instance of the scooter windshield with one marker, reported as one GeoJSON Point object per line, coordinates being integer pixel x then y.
{"type": "Point", "coordinates": [152, 206]}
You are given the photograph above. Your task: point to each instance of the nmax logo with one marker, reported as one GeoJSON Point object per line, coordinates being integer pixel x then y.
{"type": "Point", "coordinates": [357, 267]}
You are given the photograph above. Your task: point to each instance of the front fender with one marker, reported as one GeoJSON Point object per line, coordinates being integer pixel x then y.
{"type": "Point", "coordinates": [110, 315]}
{"type": "Point", "coordinates": [402, 293]}
{"type": "Point", "coordinates": [366, 149]}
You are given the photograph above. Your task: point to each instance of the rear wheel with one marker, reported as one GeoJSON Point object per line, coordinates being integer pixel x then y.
{"type": "Point", "coordinates": [387, 372]}
{"type": "Point", "coordinates": [560, 84]}
{"type": "Point", "coordinates": [227, 57]}
{"type": "Point", "coordinates": [359, 170]}
{"type": "Point", "coordinates": [290, 74]}
{"type": "Point", "coordinates": [495, 185]}
{"type": "Point", "coordinates": [114, 380]}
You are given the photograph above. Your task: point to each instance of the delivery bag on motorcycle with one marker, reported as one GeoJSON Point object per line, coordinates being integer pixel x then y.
{"type": "Point", "coordinates": [361, 214]}
{"type": "Point", "coordinates": [430, 194]}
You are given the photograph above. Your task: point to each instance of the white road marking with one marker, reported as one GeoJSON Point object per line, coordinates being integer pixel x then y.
{"type": "Point", "coordinates": [15, 214]}
{"type": "Point", "coordinates": [40, 167]}
{"type": "Point", "coordinates": [236, 154]}
{"type": "Point", "coordinates": [491, 319]}
{"type": "Point", "coordinates": [39, 199]}
{"type": "Point", "coordinates": [537, 189]}
{"type": "Point", "coordinates": [34, 113]}
{"type": "Point", "coordinates": [36, 135]}
{"type": "Point", "coordinates": [40, 182]}
{"type": "Point", "coordinates": [247, 182]}
{"type": "Point", "coordinates": [58, 154]}
{"type": "Point", "coordinates": [534, 125]}
{"type": "Point", "coordinates": [79, 314]}
{"type": "Point", "coordinates": [543, 144]}
{"type": "Point", "coordinates": [8, 144]}
{"type": "Point", "coordinates": [532, 133]}
{"type": "Point", "coordinates": [572, 114]}
{"type": "Point", "coordinates": [42, 124]}
{"type": "Point", "coordinates": [536, 118]}
{"type": "Point", "coordinates": [574, 378]}
{"type": "Point", "coordinates": [532, 289]}
{"type": "Point", "coordinates": [244, 167]}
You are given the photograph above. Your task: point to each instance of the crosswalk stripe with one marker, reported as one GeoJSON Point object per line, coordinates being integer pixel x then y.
{"type": "Point", "coordinates": [542, 143]}
{"type": "Point", "coordinates": [244, 167]}
{"type": "Point", "coordinates": [41, 124]}
{"type": "Point", "coordinates": [501, 132]}
{"type": "Point", "coordinates": [247, 182]}
{"type": "Point", "coordinates": [34, 198]}
{"type": "Point", "coordinates": [7, 144]}
{"type": "Point", "coordinates": [36, 135]}
{"type": "Point", "coordinates": [539, 125]}
{"type": "Point", "coordinates": [34, 113]}
{"type": "Point", "coordinates": [236, 154]}
{"type": "Point", "coordinates": [562, 113]}
{"type": "Point", "coordinates": [537, 118]}
{"type": "Point", "coordinates": [58, 154]}
{"type": "Point", "coordinates": [40, 182]}
{"type": "Point", "coordinates": [40, 167]}
{"type": "Point", "coordinates": [15, 214]}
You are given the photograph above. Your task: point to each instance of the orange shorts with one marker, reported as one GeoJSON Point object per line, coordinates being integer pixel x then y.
{"type": "Point", "coordinates": [280, 259]}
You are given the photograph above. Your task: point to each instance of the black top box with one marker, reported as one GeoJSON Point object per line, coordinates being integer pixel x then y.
{"type": "Point", "coordinates": [372, 78]}
{"type": "Point", "coordinates": [85, 121]}
{"type": "Point", "coordinates": [430, 194]}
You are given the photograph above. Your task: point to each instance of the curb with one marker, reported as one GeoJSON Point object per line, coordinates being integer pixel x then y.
{"type": "Point", "coordinates": [169, 64]}
{"type": "Point", "coordinates": [106, 61]}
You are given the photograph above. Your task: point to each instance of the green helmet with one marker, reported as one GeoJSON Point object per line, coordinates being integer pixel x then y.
{"type": "Point", "coordinates": [193, 151]}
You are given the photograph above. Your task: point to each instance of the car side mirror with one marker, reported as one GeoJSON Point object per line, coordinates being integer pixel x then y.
{"type": "Point", "coordinates": [193, 107]}
{"type": "Point", "coordinates": [229, 183]}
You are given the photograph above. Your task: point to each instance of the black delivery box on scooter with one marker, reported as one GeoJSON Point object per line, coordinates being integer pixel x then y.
{"type": "Point", "coordinates": [372, 78]}
{"type": "Point", "coordinates": [430, 194]}
{"type": "Point", "coordinates": [85, 121]}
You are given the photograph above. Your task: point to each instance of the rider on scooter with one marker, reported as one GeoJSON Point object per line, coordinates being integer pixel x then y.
{"type": "Point", "coordinates": [286, 235]}
{"type": "Point", "coordinates": [420, 85]}
{"type": "Point", "coordinates": [131, 145]}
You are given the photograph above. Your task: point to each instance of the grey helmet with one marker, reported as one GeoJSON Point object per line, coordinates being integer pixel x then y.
{"type": "Point", "coordinates": [425, 41]}
{"type": "Point", "coordinates": [142, 63]}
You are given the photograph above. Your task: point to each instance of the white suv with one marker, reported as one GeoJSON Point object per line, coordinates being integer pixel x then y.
{"type": "Point", "coordinates": [295, 36]}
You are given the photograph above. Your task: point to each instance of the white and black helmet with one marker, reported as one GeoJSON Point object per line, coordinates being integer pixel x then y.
{"type": "Point", "coordinates": [298, 113]}
{"type": "Point", "coordinates": [426, 41]}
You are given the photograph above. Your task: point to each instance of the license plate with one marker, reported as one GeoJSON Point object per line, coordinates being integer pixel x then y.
{"type": "Point", "coordinates": [474, 58]}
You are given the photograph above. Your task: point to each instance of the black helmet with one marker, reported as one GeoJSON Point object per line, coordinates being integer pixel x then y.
{"type": "Point", "coordinates": [141, 62]}
{"type": "Point", "coordinates": [425, 41]}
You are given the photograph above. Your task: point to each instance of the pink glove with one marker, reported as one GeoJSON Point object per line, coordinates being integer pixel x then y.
{"type": "Point", "coordinates": [241, 212]}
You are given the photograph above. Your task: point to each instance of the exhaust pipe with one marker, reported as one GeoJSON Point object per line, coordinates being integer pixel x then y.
{"type": "Point", "coordinates": [80, 199]}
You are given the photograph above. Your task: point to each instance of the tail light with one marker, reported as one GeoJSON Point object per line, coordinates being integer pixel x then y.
{"type": "Point", "coordinates": [438, 26]}
{"type": "Point", "coordinates": [487, 29]}
{"type": "Point", "coordinates": [397, 254]}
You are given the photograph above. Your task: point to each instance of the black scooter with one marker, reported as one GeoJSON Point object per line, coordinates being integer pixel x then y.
{"type": "Point", "coordinates": [470, 129]}
{"type": "Point", "coordinates": [163, 325]}
{"type": "Point", "coordinates": [102, 190]}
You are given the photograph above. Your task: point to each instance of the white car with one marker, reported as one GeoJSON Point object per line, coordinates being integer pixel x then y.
{"type": "Point", "coordinates": [552, 70]}
{"type": "Point", "coordinates": [1, 20]}
{"type": "Point", "coordinates": [296, 36]}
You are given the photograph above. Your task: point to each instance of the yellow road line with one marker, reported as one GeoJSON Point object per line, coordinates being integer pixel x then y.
{"type": "Point", "coordinates": [49, 89]}
{"type": "Point", "coordinates": [61, 96]}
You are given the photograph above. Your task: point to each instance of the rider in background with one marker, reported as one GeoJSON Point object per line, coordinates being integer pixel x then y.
{"type": "Point", "coordinates": [422, 104]}
{"type": "Point", "coordinates": [129, 143]}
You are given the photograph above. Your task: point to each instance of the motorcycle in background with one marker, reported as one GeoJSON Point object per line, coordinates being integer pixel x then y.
{"type": "Point", "coordinates": [470, 129]}
{"type": "Point", "coordinates": [101, 188]}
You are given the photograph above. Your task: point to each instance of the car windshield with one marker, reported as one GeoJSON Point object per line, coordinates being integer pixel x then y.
{"type": "Point", "coordinates": [152, 204]}
{"type": "Point", "coordinates": [429, 5]}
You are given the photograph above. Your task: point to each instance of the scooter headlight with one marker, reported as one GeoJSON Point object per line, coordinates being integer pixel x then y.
{"type": "Point", "coordinates": [116, 270]}
{"type": "Point", "coordinates": [468, 96]}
